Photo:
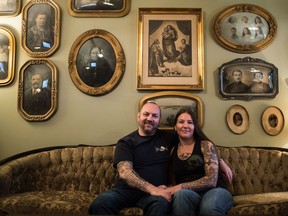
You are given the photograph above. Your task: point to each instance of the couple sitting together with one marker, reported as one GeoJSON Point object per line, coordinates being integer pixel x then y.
{"type": "Point", "coordinates": [167, 173]}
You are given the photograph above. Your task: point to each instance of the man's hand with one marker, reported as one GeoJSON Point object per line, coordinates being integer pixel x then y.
{"type": "Point", "coordinates": [160, 191]}
{"type": "Point", "coordinates": [225, 169]}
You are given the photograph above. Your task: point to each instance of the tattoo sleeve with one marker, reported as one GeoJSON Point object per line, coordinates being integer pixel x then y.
{"type": "Point", "coordinates": [128, 174]}
{"type": "Point", "coordinates": [211, 166]}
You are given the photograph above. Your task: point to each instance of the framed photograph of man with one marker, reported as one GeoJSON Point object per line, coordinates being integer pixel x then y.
{"type": "Point", "coordinates": [10, 8]}
{"type": "Point", "coordinates": [37, 90]}
{"type": "Point", "coordinates": [237, 119]}
{"type": "Point", "coordinates": [99, 8]}
{"type": "Point", "coordinates": [272, 120]}
{"type": "Point", "coordinates": [7, 56]}
{"type": "Point", "coordinates": [96, 62]}
{"type": "Point", "coordinates": [171, 102]}
{"type": "Point", "coordinates": [170, 49]}
{"type": "Point", "coordinates": [40, 33]}
{"type": "Point", "coordinates": [248, 78]}
{"type": "Point", "coordinates": [244, 28]}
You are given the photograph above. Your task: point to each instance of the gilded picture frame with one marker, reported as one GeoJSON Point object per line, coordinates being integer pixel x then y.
{"type": "Point", "coordinates": [38, 15]}
{"type": "Point", "coordinates": [7, 56]}
{"type": "Point", "coordinates": [37, 90]}
{"type": "Point", "coordinates": [100, 8]}
{"type": "Point", "coordinates": [244, 28]}
{"type": "Point", "coordinates": [272, 120]}
{"type": "Point", "coordinates": [248, 78]}
{"type": "Point", "coordinates": [237, 119]}
{"type": "Point", "coordinates": [170, 102]}
{"type": "Point", "coordinates": [96, 62]}
{"type": "Point", "coordinates": [170, 49]}
{"type": "Point", "coordinates": [10, 8]}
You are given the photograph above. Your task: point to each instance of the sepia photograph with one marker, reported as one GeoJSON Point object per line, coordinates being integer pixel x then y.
{"type": "Point", "coordinates": [10, 8]}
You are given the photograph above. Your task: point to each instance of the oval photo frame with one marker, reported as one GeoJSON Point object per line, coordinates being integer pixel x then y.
{"type": "Point", "coordinates": [237, 119]}
{"type": "Point", "coordinates": [272, 120]}
{"type": "Point", "coordinates": [244, 28]}
{"type": "Point", "coordinates": [96, 62]}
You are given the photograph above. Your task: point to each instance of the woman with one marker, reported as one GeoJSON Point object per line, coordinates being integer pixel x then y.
{"type": "Point", "coordinates": [195, 168]}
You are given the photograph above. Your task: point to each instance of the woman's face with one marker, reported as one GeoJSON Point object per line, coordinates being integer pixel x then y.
{"type": "Point", "coordinates": [94, 53]}
{"type": "Point", "coordinates": [185, 126]}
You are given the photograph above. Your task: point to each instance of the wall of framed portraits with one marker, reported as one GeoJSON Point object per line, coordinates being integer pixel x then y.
{"type": "Point", "coordinates": [86, 114]}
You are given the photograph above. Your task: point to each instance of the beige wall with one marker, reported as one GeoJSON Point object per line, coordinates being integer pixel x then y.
{"type": "Point", "coordinates": [83, 119]}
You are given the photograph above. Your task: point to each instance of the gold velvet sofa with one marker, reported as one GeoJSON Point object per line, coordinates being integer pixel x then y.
{"type": "Point", "coordinates": [64, 180]}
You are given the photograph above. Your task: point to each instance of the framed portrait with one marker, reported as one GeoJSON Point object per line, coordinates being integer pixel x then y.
{"type": "Point", "coordinates": [96, 62]}
{"type": "Point", "coordinates": [40, 33]}
{"type": "Point", "coordinates": [7, 56]}
{"type": "Point", "coordinates": [37, 90]}
{"type": "Point", "coordinates": [248, 78]}
{"type": "Point", "coordinates": [99, 8]}
{"type": "Point", "coordinates": [237, 119]}
{"type": "Point", "coordinates": [244, 28]}
{"type": "Point", "coordinates": [170, 102]}
{"type": "Point", "coordinates": [10, 8]}
{"type": "Point", "coordinates": [170, 49]}
{"type": "Point", "coordinates": [272, 120]}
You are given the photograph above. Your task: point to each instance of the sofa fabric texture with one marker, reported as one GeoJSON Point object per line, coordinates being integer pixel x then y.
{"type": "Point", "coordinates": [65, 180]}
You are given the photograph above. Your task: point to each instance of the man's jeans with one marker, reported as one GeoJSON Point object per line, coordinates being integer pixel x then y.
{"type": "Point", "coordinates": [115, 199]}
{"type": "Point", "coordinates": [216, 201]}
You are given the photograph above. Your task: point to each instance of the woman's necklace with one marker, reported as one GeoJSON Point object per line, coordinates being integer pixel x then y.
{"type": "Point", "coordinates": [185, 151]}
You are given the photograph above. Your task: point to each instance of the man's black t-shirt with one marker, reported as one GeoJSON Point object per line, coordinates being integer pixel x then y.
{"type": "Point", "coordinates": [149, 155]}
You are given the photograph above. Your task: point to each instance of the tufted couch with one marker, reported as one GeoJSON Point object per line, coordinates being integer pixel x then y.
{"type": "Point", "coordinates": [64, 180]}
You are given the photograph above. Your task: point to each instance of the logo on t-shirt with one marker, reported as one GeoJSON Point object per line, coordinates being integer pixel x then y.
{"type": "Point", "coordinates": [161, 149]}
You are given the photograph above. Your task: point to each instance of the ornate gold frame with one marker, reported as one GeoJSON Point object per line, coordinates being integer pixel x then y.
{"type": "Point", "coordinates": [108, 38]}
{"type": "Point", "coordinates": [224, 24]}
{"type": "Point", "coordinates": [170, 74]}
{"type": "Point", "coordinates": [11, 47]}
{"type": "Point", "coordinates": [15, 11]}
{"type": "Point", "coordinates": [237, 119]}
{"type": "Point", "coordinates": [40, 5]}
{"type": "Point", "coordinates": [174, 101]}
{"type": "Point", "coordinates": [53, 86]}
{"type": "Point", "coordinates": [272, 120]}
{"type": "Point", "coordinates": [73, 11]}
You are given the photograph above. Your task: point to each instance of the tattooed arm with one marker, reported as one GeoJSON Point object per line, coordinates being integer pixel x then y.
{"type": "Point", "coordinates": [128, 174]}
{"type": "Point", "coordinates": [211, 171]}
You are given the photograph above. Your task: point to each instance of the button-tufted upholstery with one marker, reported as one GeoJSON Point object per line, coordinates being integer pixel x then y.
{"type": "Point", "coordinates": [65, 180]}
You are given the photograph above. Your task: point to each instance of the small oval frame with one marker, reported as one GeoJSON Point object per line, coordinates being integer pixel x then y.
{"type": "Point", "coordinates": [237, 119]}
{"type": "Point", "coordinates": [272, 120]}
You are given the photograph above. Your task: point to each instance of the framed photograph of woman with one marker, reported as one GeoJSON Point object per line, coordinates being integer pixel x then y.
{"type": "Point", "coordinates": [272, 120]}
{"type": "Point", "coordinates": [244, 28]}
{"type": "Point", "coordinates": [10, 8]}
{"type": "Point", "coordinates": [37, 90]}
{"type": "Point", "coordinates": [96, 62]}
{"type": "Point", "coordinates": [170, 49]}
{"type": "Point", "coordinates": [171, 102]}
{"type": "Point", "coordinates": [7, 56]}
{"type": "Point", "coordinates": [237, 119]}
{"type": "Point", "coordinates": [99, 8]}
{"type": "Point", "coordinates": [40, 33]}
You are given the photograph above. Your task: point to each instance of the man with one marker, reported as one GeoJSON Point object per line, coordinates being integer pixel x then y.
{"type": "Point", "coordinates": [37, 100]}
{"type": "Point", "coordinates": [142, 160]}
{"type": "Point", "coordinates": [237, 86]}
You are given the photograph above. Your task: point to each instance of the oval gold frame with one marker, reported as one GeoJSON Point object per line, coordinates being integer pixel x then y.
{"type": "Point", "coordinates": [237, 110]}
{"type": "Point", "coordinates": [272, 120]}
{"type": "Point", "coordinates": [11, 56]}
{"type": "Point", "coordinates": [56, 28]}
{"type": "Point", "coordinates": [244, 8]}
{"type": "Point", "coordinates": [119, 67]}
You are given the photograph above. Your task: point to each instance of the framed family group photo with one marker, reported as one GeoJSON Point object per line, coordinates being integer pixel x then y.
{"type": "Point", "coordinates": [170, 49]}
{"type": "Point", "coordinates": [37, 90]}
{"type": "Point", "coordinates": [170, 102]}
{"type": "Point", "coordinates": [10, 8]}
{"type": "Point", "coordinates": [244, 28]}
{"type": "Point", "coordinates": [248, 78]}
{"type": "Point", "coordinates": [7, 56]}
{"type": "Point", "coordinates": [40, 33]}
{"type": "Point", "coordinates": [99, 8]}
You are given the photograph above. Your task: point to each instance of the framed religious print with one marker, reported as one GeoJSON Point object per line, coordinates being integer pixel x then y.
{"type": "Point", "coordinates": [237, 119]}
{"type": "Point", "coordinates": [170, 49]}
{"type": "Point", "coordinates": [40, 33]}
{"type": "Point", "coordinates": [96, 62]}
{"type": "Point", "coordinates": [99, 8]}
{"type": "Point", "coordinates": [247, 79]}
{"type": "Point", "coordinates": [37, 90]}
{"type": "Point", "coordinates": [244, 28]}
{"type": "Point", "coordinates": [7, 56]}
{"type": "Point", "coordinates": [170, 102]}
{"type": "Point", "coordinates": [10, 8]}
{"type": "Point", "coordinates": [272, 120]}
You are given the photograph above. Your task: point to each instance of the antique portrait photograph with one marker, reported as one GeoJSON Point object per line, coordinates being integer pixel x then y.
{"type": "Point", "coordinates": [237, 119]}
{"type": "Point", "coordinates": [10, 7]}
{"type": "Point", "coordinates": [171, 52]}
{"type": "Point", "coordinates": [273, 120]}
